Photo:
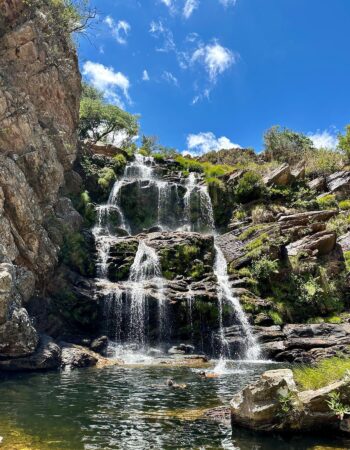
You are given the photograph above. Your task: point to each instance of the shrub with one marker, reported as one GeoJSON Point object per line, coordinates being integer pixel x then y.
{"type": "Point", "coordinates": [328, 201]}
{"type": "Point", "coordinates": [106, 178]}
{"type": "Point", "coordinates": [249, 187]}
{"type": "Point", "coordinates": [340, 224]}
{"type": "Point", "coordinates": [276, 317]}
{"type": "Point", "coordinates": [286, 145]}
{"type": "Point", "coordinates": [344, 204]}
{"type": "Point", "coordinates": [347, 260]}
{"type": "Point", "coordinates": [189, 164]}
{"type": "Point", "coordinates": [119, 161]}
{"type": "Point", "coordinates": [263, 268]}
{"type": "Point", "coordinates": [323, 161]}
{"type": "Point", "coordinates": [344, 142]}
{"type": "Point", "coordinates": [325, 372]}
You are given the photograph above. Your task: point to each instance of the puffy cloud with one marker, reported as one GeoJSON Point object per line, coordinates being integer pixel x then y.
{"type": "Point", "coordinates": [200, 143]}
{"type": "Point", "coordinates": [158, 30]}
{"type": "Point", "coordinates": [145, 76]}
{"type": "Point", "coordinates": [170, 78]}
{"type": "Point", "coordinates": [227, 3]}
{"type": "Point", "coordinates": [120, 30]}
{"type": "Point", "coordinates": [324, 139]}
{"type": "Point", "coordinates": [215, 58]}
{"type": "Point", "coordinates": [169, 4]}
{"type": "Point", "coordinates": [111, 83]}
{"type": "Point", "coordinates": [189, 7]}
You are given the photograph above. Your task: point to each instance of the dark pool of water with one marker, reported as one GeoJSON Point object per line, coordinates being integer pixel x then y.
{"type": "Point", "coordinates": [123, 408]}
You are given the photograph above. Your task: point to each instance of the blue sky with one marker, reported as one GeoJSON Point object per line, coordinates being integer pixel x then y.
{"type": "Point", "coordinates": [205, 74]}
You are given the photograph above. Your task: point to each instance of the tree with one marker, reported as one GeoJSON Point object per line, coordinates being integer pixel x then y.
{"type": "Point", "coordinates": [344, 142]}
{"type": "Point", "coordinates": [100, 121]}
{"type": "Point", "coordinates": [284, 145]}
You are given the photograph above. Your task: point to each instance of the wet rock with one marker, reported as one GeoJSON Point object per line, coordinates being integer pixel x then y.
{"type": "Point", "coordinates": [75, 356]}
{"type": "Point", "coordinates": [99, 345]}
{"type": "Point", "coordinates": [47, 356]}
{"type": "Point", "coordinates": [181, 349]}
{"type": "Point", "coordinates": [281, 176]}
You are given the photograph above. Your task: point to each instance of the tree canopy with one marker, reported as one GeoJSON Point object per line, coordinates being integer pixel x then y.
{"type": "Point", "coordinates": [285, 145]}
{"type": "Point", "coordinates": [101, 121]}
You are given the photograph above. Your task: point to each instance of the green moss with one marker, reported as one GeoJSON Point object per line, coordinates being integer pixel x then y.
{"type": "Point", "coordinates": [325, 372]}
{"type": "Point", "coordinates": [257, 242]}
{"type": "Point", "coordinates": [75, 254]}
{"type": "Point", "coordinates": [250, 231]}
{"type": "Point", "coordinates": [80, 311]}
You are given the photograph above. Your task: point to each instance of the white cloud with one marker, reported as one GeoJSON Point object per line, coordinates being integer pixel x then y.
{"type": "Point", "coordinates": [324, 139]}
{"type": "Point", "coordinates": [158, 30]}
{"type": "Point", "coordinates": [108, 81]}
{"type": "Point", "coordinates": [145, 76]}
{"type": "Point", "coordinates": [204, 142]}
{"type": "Point", "coordinates": [227, 3]}
{"type": "Point", "coordinates": [120, 30]}
{"type": "Point", "coordinates": [189, 7]}
{"type": "Point", "coordinates": [215, 58]}
{"type": "Point", "coordinates": [170, 78]}
{"type": "Point", "coordinates": [204, 95]}
{"type": "Point", "coordinates": [169, 4]}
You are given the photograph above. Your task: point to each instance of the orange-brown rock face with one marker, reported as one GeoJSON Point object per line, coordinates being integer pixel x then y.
{"type": "Point", "coordinates": [39, 107]}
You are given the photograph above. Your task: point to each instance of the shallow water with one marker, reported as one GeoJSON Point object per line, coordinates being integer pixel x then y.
{"type": "Point", "coordinates": [128, 408]}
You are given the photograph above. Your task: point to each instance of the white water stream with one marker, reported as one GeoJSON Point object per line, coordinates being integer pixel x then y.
{"type": "Point", "coordinates": [145, 273]}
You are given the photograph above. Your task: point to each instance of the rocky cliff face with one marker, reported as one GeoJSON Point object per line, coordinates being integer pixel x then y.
{"type": "Point", "coordinates": [39, 105]}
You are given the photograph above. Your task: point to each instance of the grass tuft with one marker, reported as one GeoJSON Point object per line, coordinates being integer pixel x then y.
{"type": "Point", "coordinates": [324, 373]}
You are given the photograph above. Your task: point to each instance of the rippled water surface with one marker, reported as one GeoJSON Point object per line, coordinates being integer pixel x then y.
{"type": "Point", "coordinates": [128, 408]}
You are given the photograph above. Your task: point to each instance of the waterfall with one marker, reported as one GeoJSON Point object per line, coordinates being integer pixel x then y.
{"type": "Point", "coordinates": [225, 294]}
{"type": "Point", "coordinates": [127, 303]}
{"type": "Point", "coordinates": [144, 270]}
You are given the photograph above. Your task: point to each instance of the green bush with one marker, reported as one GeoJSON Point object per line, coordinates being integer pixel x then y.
{"type": "Point", "coordinates": [328, 201]}
{"type": "Point", "coordinates": [340, 224]}
{"type": "Point", "coordinates": [106, 178]}
{"type": "Point", "coordinates": [264, 268]}
{"type": "Point", "coordinates": [120, 162]}
{"type": "Point", "coordinates": [249, 187]}
{"type": "Point", "coordinates": [344, 204]}
{"type": "Point", "coordinates": [325, 372]}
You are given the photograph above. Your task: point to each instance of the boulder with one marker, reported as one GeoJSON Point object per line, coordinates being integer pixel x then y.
{"type": "Point", "coordinates": [274, 403]}
{"type": "Point", "coordinates": [318, 184]}
{"type": "Point", "coordinates": [17, 334]}
{"type": "Point", "coordinates": [322, 243]}
{"type": "Point", "coordinates": [281, 176]}
{"type": "Point", "coordinates": [257, 406]}
{"type": "Point", "coordinates": [99, 345]}
{"type": "Point", "coordinates": [76, 357]}
{"type": "Point", "coordinates": [339, 184]}
{"type": "Point", "coordinates": [47, 356]}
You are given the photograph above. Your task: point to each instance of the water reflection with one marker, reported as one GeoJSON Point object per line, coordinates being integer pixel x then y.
{"type": "Point", "coordinates": [129, 408]}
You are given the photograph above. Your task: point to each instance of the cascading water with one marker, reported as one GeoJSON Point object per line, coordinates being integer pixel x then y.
{"type": "Point", "coordinates": [225, 294]}
{"type": "Point", "coordinates": [145, 276]}
{"type": "Point", "coordinates": [144, 271]}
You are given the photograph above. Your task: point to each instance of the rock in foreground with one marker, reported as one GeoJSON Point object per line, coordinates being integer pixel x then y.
{"type": "Point", "coordinates": [273, 403]}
